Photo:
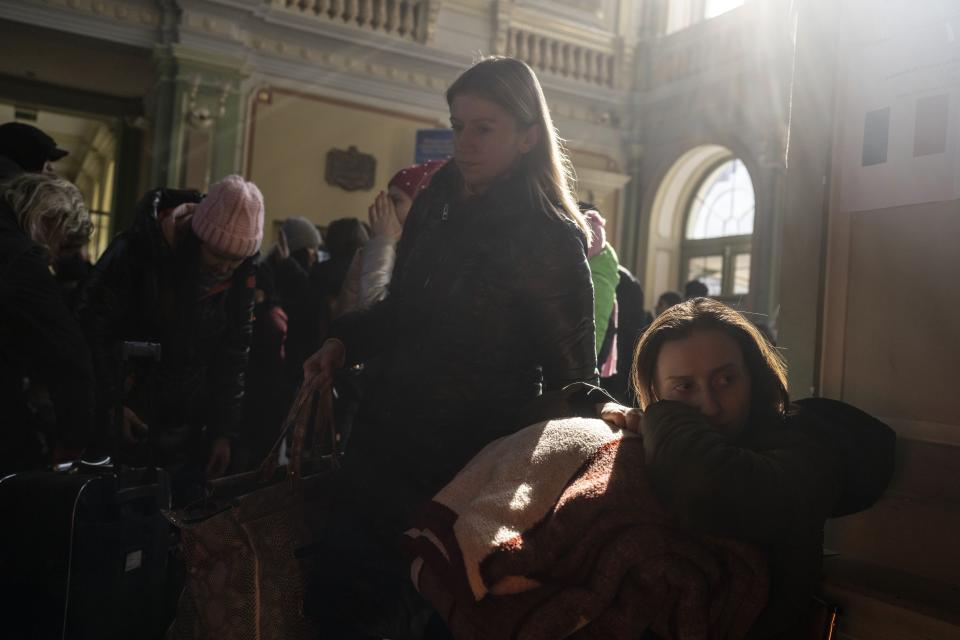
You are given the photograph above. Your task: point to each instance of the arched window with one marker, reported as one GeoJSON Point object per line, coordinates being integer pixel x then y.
{"type": "Point", "coordinates": [713, 8]}
{"type": "Point", "coordinates": [681, 14]}
{"type": "Point", "coordinates": [719, 229]}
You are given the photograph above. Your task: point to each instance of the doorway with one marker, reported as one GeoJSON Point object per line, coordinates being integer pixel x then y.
{"type": "Point", "coordinates": [91, 163]}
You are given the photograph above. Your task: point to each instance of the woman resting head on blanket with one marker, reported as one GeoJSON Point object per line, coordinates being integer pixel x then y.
{"type": "Point", "coordinates": [726, 452]}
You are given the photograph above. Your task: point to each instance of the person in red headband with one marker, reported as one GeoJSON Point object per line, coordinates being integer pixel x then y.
{"type": "Point", "coordinates": [372, 266]}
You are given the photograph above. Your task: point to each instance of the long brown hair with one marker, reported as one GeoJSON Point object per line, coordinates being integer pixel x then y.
{"type": "Point", "coordinates": [513, 85]}
{"type": "Point", "coordinates": [768, 373]}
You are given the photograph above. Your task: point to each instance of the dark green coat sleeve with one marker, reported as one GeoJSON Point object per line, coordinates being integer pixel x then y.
{"type": "Point", "coordinates": [777, 482]}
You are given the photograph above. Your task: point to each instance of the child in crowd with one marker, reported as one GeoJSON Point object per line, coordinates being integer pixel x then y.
{"type": "Point", "coordinates": [369, 275]}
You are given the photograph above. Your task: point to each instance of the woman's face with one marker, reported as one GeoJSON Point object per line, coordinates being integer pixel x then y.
{"type": "Point", "coordinates": [486, 140]}
{"type": "Point", "coordinates": [218, 264]}
{"type": "Point", "coordinates": [401, 202]}
{"type": "Point", "coordinates": [706, 371]}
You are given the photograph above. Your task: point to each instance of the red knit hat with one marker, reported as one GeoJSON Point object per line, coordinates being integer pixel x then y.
{"type": "Point", "coordinates": [230, 218]}
{"type": "Point", "coordinates": [415, 178]}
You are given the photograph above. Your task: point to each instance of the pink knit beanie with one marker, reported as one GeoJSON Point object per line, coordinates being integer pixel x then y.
{"type": "Point", "coordinates": [598, 236]}
{"type": "Point", "coordinates": [230, 218]}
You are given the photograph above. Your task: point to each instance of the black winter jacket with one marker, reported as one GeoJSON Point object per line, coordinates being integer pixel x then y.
{"type": "Point", "coordinates": [144, 290]}
{"type": "Point", "coordinates": [39, 339]}
{"type": "Point", "coordinates": [490, 304]}
{"type": "Point", "coordinates": [774, 486]}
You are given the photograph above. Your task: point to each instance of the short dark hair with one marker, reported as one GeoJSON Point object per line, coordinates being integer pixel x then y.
{"type": "Point", "coordinates": [768, 373]}
{"type": "Point", "coordinates": [669, 298]}
{"type": "Point", "coordinates": [695, 289]}
{"type": "Point", "coordinates": [343, 237]}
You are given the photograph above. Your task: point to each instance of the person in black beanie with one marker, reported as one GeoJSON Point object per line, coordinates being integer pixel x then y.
{"type": "Point", "coordinates": [26, 149]}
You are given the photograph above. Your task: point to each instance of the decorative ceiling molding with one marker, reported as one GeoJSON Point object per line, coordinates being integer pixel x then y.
{"type": "Point", "coordinates": [132, 23]}
{"type": "Point", "coordinates": [266, 44]}
{"type": "Point", "coordinates": [408, 63]}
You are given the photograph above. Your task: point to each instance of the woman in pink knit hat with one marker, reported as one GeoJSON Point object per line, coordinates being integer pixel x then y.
{"type": "Point", "coordinates": [181, 276]}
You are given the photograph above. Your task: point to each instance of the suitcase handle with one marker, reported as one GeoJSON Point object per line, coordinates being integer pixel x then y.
{"type": "Point", "coordinates": [128, 350]}
{"type": "Point", "coordinates": [137, 493]}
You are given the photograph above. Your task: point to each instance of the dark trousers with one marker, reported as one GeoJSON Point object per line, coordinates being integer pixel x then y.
{"type": "Point", "coordinates": [359, 584]}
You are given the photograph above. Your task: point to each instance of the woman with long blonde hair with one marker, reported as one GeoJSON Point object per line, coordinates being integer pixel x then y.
{"type": "Point", "coordinates": [490, 305]}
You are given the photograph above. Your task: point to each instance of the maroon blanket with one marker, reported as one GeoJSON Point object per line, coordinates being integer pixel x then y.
{"type": "Point", "coordinates": [604, 562]}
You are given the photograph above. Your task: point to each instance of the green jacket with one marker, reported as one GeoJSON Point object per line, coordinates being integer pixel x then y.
{"type": "Point", "coordinates": [603, 271]}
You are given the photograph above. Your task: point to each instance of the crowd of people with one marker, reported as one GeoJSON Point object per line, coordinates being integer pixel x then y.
{"type": "Point", "coordinates": [480, 298]}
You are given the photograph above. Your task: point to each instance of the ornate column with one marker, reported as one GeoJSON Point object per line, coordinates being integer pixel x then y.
{"type": "Point", "coordinates": [633, 229]}
{"type": "Point", "coordinates": [502, 18]}
{"type": "Point", "coordinates": [198, 114]}
{"type": "Point", "coordinates": [806, 194]}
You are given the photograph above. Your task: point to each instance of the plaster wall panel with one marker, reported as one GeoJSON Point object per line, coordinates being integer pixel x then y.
{"type": "Point", "coordinates": [464, 31]}
{"type": "Point", "coordinates": [289, 143]}
{"type": "Point", "coordinates": [902, 343]}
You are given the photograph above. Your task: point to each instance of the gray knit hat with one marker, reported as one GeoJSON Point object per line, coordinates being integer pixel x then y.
{"type": "Point", "coordinates": [301, 233]}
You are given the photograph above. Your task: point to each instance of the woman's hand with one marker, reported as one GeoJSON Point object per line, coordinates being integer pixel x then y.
{"type": "Point", "coordinates": [133, 430]}
{"type": "Point", "coordinates": [383, 217]}
{"type": "Point", "coordinates": [219, 458]}
{"type": "Point", "coordinates": [283, 247]}
{"type": "Point", "coordinates": [319, 368]}
{"type": "Point", "coordinates": [621, 417]}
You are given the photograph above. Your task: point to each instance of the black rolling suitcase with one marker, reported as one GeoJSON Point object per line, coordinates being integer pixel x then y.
{"type": "Point", "coordinates": [84, 553]}
{"type": "Point", "coordinates": [84, 546]}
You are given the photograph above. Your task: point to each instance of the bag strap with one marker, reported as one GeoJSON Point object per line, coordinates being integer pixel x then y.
{"type": "Point", "coordinates": [270, 463]}
{"type": "Point", "coordinates": [306, 404]}
{"type": "Point", "coordinates": [320, 408]}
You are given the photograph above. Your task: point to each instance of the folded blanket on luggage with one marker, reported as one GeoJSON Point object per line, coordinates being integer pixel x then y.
{"type": "Point", "coordinates": [555, 532]}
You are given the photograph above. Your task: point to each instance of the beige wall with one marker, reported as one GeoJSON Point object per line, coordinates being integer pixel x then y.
{"type": "Point", "coordinates": [288, 144]}
{"type": "Point", "coordinates": [900, 333]}
{"type": "Point", "coordinates": [593, 171]}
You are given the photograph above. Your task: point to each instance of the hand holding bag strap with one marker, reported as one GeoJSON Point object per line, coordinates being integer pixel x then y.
{"type": "Point", "coordinates": [325, 414]}
{"type": "Point", "coordinates": [269, 465]}
{"type": "Point", "coordinates": [300, 429]}
{"type": "Point", "coordinates": [320, 408]}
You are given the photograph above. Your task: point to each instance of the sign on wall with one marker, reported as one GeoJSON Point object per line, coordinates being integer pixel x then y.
{"type": "Point", "coordinates": [350, 170]}
{"type": "Point", "coordinates": [433, 144]}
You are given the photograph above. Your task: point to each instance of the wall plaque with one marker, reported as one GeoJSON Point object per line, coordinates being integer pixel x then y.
{"type": "Point", "coordinates": [350, 170]}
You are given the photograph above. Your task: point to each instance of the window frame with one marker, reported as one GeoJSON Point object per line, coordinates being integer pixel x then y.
{"type": "Point", "coordinates": [727, 246]}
